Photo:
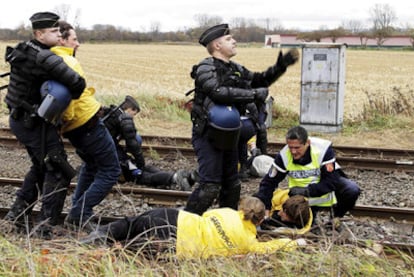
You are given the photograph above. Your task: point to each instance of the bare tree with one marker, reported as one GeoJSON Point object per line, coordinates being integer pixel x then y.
{"type": "Point", "coordinates": [316, 36]}
{"type": "Point", "coordinates": [382, 17]}
{"type": "Point", "coordinates": [205, 20]}
{"type": "Point", "coordinates": [238, 23]}
{"type": "Point", "coordinates": [155, 27]}
{"type": "Point", "coordinates": [353, 26]}
{"type": "Point", "coordinates": [270, 24]}
{"type": "Point", "coordinates": [410, 34]}
{"type": "Point", "coordinates": [363, 37]}
{"type": "Point", "coordinates": [63, 11]}
{"type": "Point", "coordinates": [76, 19]}
{"type": "Point", "coordinates": [334, 34]}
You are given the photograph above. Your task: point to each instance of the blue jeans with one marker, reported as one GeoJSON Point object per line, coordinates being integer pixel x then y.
{"type": "Point", "coordinates": [99, 171]}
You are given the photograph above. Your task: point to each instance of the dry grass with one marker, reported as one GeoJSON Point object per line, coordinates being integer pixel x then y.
{"type": "Point", "coordinates": [68, 258]}
{"type": "Point", "coordinates": [375, 81]}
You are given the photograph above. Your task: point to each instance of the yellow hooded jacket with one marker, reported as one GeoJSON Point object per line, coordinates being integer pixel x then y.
{"type": "Point", "coordinates": [222, 232]}
{"type": "Point", "coordinates": [79, 110]}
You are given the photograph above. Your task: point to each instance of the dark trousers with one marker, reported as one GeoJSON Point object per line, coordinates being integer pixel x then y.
{"type": "Point", "coordinates": [247, 131]}
{"type": "Point", "coordinates": [219, 177]}
{"type": "Point", "coordinates": [158, 223]}
{"type": "Point", "coordinates": [38, 174]}
{"type": "Point", "coordinates": [347, 193]}
{"type": "Point", "coordinates": [99, 171]}
{"type": "Point", "coordinates": [215, 165]}
{"type": "Point", "coordinates": [155, 177]}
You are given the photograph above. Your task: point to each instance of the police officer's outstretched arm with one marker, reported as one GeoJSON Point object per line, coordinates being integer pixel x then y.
{"type": "Point", "coordinates": [61, 72]}
{"type": "Point", "coordinates": [268, 77]}
{"type": "Point", "coordinates": [128, 133]}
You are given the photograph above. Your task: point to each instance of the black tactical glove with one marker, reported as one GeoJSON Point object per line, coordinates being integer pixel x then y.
{"type": "Point", "coordinates": [299, 191]}
{"type": "Point", "coordinates": [260, 94]}
{"type": "Point", "coordinates": [290, 57]}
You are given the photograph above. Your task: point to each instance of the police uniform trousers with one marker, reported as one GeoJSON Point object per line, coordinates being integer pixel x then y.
{"type": "Point", "coordinates": [38, 174]}
{"type": "Point", "coordinates": [218, 177]}
{"type": "Point", "coordinates": [247, 131]}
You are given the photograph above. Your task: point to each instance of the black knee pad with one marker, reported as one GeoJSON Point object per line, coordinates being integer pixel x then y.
{"type": "Point", "coordinates": [56, 160]}
{"type": "Point", "coordinates": [202, 197]}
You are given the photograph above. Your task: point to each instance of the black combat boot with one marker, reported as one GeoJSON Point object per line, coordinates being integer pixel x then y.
{"type": "Point", "coordinates": [181, 180]}
{"type": "Point", "coordinates": [19, 212]}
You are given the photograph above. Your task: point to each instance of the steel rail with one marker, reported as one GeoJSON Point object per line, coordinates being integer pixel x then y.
{"type": "Point", "coordinates": [345, 161]}
{"type": "Point", "coordinates": [406, 155]}
{"type": "Point", "coordinates": [179, 198]}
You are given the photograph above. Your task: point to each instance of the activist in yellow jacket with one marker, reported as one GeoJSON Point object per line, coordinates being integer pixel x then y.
{"type": "Point", "coordinates": [79, 110]}
{"type": "Point", "coordinates": [289, 215]}
{"type": "Point", "coordinates": [218, 232]}
{"type": "Point", "coordinates": [222, 232]}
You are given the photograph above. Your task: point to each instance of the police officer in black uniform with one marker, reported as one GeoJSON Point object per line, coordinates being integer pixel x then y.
{"type": "Point", "coordinates": [223, 88]}
{"type": "Point", "coordinates": [120, 123]}
{"type": "Point", "coordinates": [32, 64]}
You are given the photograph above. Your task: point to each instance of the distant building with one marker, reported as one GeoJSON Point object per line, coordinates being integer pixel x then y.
{"type": "Point", "coordinates": [290, 40]}
{"type": "Point", "coordinates": [272, 41]}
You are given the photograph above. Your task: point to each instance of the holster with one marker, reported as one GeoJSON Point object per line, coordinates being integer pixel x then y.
{"type": "Point", "coordinates": [57, 161]}
{"type": "Point", "coordinates": [199, 119]}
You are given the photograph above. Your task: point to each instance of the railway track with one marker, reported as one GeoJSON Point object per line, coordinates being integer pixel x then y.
{"type": "Point", "coordinates": [384, 159]}
{"type": "Point", "coordinates": [173, 198]}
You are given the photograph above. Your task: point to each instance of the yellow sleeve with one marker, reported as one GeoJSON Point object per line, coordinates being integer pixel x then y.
{"type": "Point", "coordinates": [283, 244]}
{"type": "Point", "coordinates": [279, 197]}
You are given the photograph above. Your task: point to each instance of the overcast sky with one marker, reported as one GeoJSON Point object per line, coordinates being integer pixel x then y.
{"type": "Point", "coordinates": [173, 15]}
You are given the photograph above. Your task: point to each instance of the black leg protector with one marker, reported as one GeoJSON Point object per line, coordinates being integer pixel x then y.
{"type": "Point", "coordinates": [18, 212]}
{"type": "Point", "coordinates": [230, 195]}
{"type": "Point", "coordinates": [261, 140]}
{"type": "Point", "coordinates": [53, 200]}
{"type": "Point", "coordinates": [202, 197]}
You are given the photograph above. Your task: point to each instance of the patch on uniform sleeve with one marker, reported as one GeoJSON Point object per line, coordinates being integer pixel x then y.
{"type": "Point", "coordinates": [272, 171]}
{"type": "Point", "coordinates": [329, 167]}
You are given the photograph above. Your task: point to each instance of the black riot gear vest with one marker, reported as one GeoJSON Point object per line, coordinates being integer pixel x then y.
{"type": "Point", "coordinates": [32, 63]}
{"type": "Point", "coordinates": [121, 127]}
{"type": "Point", "coordinates": [25, 76]}
{"type": "Point", "coordinates": [112, 121]}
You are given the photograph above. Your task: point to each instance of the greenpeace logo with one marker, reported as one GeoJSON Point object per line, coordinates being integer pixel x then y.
{"type": "Point", "coordinates": [221, 232]}
{"type": "Point", "coordinates": [301, 174]}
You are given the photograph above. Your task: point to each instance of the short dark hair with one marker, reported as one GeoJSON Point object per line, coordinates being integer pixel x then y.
{"type": "Point", "coordinates": [64, 28]}
{"type": "Point", "coordinates": [299, 133]}
{"type": "Point", "coordinates": [130, 102]}
{"type": "Point", "coordinates": [297, 208]}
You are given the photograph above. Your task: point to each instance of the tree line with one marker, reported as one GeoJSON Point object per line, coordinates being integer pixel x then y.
{"type": "Point", "coordinates": [382, 26]}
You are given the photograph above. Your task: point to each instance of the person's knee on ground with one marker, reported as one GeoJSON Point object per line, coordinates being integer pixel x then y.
{"type": "Point", "coordinates": [346, 196]}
